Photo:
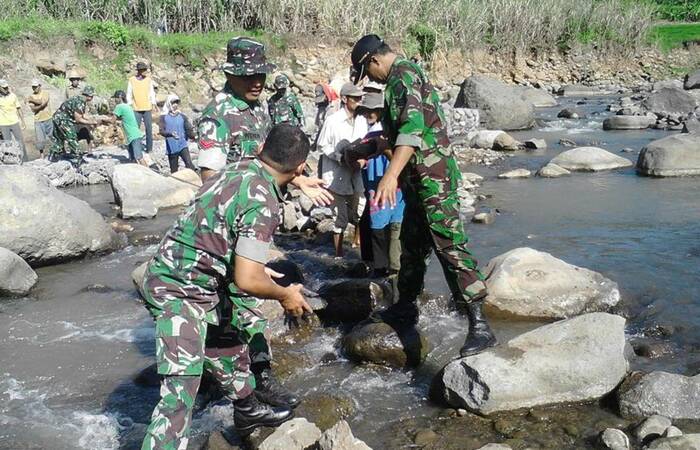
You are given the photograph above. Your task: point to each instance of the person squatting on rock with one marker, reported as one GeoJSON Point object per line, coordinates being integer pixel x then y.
{"type": "Point", "coordinates": [43, 125]}
{"type": "Point", "coordinates": [177, 130]}
{"type": "Point", "coordinates": [132, 133]}
{"type": "Point", "coordinates": [11, 119]}
{"type": "Point", "coordinates": [141, 96]}
{"type": "Point", "coordinates": [232, 129]}
{"type": "Point", "coordinates": [345, 182]}
{"type": "Point", "coordinates": [414, 124]}
{"type": "Point", "coordinates": [207, 277]}
{"type": "Point", "coordinates": [284, 106]}
{"type": "Point", "coordinates": [71, 113]}
{"type": "Point", "coordinates": [75, 87]}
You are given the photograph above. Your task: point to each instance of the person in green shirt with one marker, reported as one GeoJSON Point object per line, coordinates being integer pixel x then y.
{"type": "Point", "coordinates": [125, 114]}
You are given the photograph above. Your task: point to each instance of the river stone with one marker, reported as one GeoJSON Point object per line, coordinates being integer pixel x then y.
{"type": "Point", "coordinates": [379, 343]}
{"type": "Point", "coordinates": [528, 283]}
{"type": "Point", "coordinates": [692, 80]}
{"type": "Point", "coordinates": [137, 276]}
{"type": "Point", "coordinates": [536, 144]}
{"type": "Point", "coordinates": [670, 101]}
{"type": "Point", "coordinates": [627, 122]}
{"type": "Point", "coordinates": [590, 159]}
{"type": "Point", "coordinates": [673, 156]}
{"type": "Point", "coordinates": [501, 107]}
{"type": "Point", "coordinates": [614, 439]}
{"type": "Point", "coordinates": [672, 432]}
{"type": "Point", "coordinates": [44, 225]}
{"type": "Point", "coordinates": [579, 90]}
{"type": "Point", "coordinates": [16, 277]}
{"type": "Point", "coordinates": [289, 216]}
{"type": "Point", "coordinates": [295, 434]}
{"type": "Point", "coordinates": [652, 428]}
{"type": "Point", "coordinates": [667, 394]}
{"type": "Point", "coordinates": [537, 97]}
{"type": "Point", "coordinates": [570, 113]}
{"type": "Point", "coordinates": [340, 437]}
{"type": "Point", "coordinates": [504, 142]}
{"type": "Point", "coordinates": [573, 360]}
{"type": "Point", "coordinates": [141, 192]}
{"type": "Point", "coordinates": [486, 138]}
{"type": "Point", "coordinates": [552, 170]}
{"type": "Point", "coordinates": [352, 301]}
{"type": "Point", "coordinates": [325, 409]}
{"type": "Point", "coordinates": [494, 446]}
{"type": "Point", "coordinates": [685, 442]}
{"type": "Point", "coordinates": [516, 173]}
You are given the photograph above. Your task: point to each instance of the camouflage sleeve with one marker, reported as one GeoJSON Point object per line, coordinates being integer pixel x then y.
{"type": "Point", "coordinates": [256, 222]}
{"type": "Point", "coordinates": [406, 109]}
{"type": "Point", "coordinates": [298, 111]}
{"type": "Point", "coordinates": [212, 140]}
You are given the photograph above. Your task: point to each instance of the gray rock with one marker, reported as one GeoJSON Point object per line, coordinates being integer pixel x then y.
{"type": "Point", "coordinates": [673, 156]}
{"type": "Point", "coordinates": [570, 113]}
{"type": "Point", "coordinates": [670, 101]}
{"type": "Point", "coordinates": [528, 283]}
{"type": "Point", "coordinates": [137, 276]}
{"type": "Point", "coordinates": [579, 90]}
{"type": "Point", "coordinates": [590, 159]}
{"type": "Point", "coordinates": [552, 170]}
{"type": "Point", "coordinates": [44, 225]}
{"type": "Point", "coordinates": [485, 217]}
{"type": "Point", "coordinates": [678, 84]}
{"type": "Point", "coordinates": [306, 204]}
{"type": "Point", "coordinates": [140, 192]}
{"type": "Point", "coordinates": [16, 277]}
{"type": "Point", "coordinates": [627, 123]}
{"type": "Point", "coordinates": [685, 442]}
{"type": "Point", "coordinates": [672, 432]}
{"type": "Point", "coordinates": [652, 428]}
{"type": "Point", "coordinates": [537, 97]}
{"type": "Point", "coordinates": [353, 300]}
{"type": "Point", "coordinates": [536, 144]}
{"type": "Point", "coordinates": [295, 434]}
{"type": "Point", "coordinates": [340, 437]}
{"type": "Point", "coordinates": [500, 106]}
{"type": "Point", "coordinates": [320, 214]}
{"type": "Point", "coordinates": [289, 216]}
{"type": "Point", "coordinates": [380, 343]}
{"type": "Point", "coordinates": [692, 80]}
{"type": "Point", "coordinates": [691, 126]}
{"type": "Point", "coordinates": [614, 439]}
{"type": "Point", "coordinates": [572, 360]}
{"type": "Point", "coordinates": [494, 446]}
{"type": "Point", "coordinates": [671, 395]}
{"type": "Point", "coordinates": [516, 173]}
{"type": "Point", "coordinates": [10, 152]}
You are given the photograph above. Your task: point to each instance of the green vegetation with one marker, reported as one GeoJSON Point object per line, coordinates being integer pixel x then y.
{"type": "Point", "coordinates": [678, 10]}
{"type": "Point", "coordinates": [669, 36]}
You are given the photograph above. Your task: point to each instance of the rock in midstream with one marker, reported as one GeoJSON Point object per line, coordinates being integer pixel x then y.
{"type": "Point", "coordinates": [692, 80]}
{"type": "Point", "coordinates": [296, 434]}
{"type": "Point", "coordinates": [380, 343]}
{"type": "Point", "coordinates": [670, 100]}
{"type": "Point", "coordinates": [16, 277]}
{"type": "Point", "coordinates": [340, 437]}
{"type": "Point", "coordinates": [501, 107]}
{"type": "Point", "coordinates": [614, 439]}
{"type": "Point", "coordinates": [572, 360]}
{"type": "Point", "coordinates": [671, 395]}
{"type": "Point", "coordinates": [528, 283]}
{"type": "Point", "coordinates": [590, 159]}
{"type": "Point", "coordinates": [352, 301]}
{"type": "Point", "coordinates": [685, 442]}
{"type": "Point", "coordinates": [44, 225]}
{"type": "Point", "coordinates": [673, 156]}
{"type": "Point", "coordinates": [552, 170]}
{"type": "Point", "coordinates": [628, 122]}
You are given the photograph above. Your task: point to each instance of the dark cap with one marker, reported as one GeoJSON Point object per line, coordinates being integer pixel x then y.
{"type": "Point", "coordinates": [246, 57]}
{"type": "Point", "coordinates": [141, 66]}
{"type": "Point", "coordinates": [372, 100]}
{"type": "Point", "coordinates": [119, 94]}
{"type": "Point", "coordinates": [88, 91]}
{"type": "Point", "coordinates": [281, 81]}
{"type": "Point", "coordinates": [361, 52]}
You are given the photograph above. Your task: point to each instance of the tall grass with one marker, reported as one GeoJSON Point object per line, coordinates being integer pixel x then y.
{"type": "Point", "coordinates": [509, 24]}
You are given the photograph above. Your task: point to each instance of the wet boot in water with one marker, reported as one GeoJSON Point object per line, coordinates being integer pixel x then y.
{"type": "Point", "coordinates": [249, 414]}
{"type": "Point", "coordinates": [398, 314]}
{"type": "Point", "coordinates": [270, 391]}
{"type": "Point", "coordinates": [480, 336]}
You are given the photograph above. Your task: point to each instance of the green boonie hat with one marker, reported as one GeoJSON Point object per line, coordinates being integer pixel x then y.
{"type": "Point", "coordinates": [246, 57]}
{"type": "Point", "coordinates": [281, 81]}
{"type": "Point", "coordinates": [88, 91]}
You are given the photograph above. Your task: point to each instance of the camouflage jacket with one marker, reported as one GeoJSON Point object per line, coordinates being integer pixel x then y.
{"type": "Point", "coordinates": [230, 129]}
{"type": "Point", "coordinates": [234, 213]}
{"type": "Point", "coordinates": [66, 111]}
{"type": "Point", "coordinates": [413, 113]}
{"type": "Point", "coordinates": [285, 108]}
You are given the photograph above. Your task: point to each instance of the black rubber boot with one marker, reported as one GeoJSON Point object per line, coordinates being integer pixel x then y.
{"type": "Point", "coordinates": [270, 391]}
{"type": "Point", "coordinates": [480, 336]}
{"type": "Point", "coordinates": [250, 414]}
{"type": "Point", "coordinates": [401, 314]}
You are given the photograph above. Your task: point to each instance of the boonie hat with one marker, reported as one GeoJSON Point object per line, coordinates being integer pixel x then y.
{"type": "Point", "coordinates": [281, 81]}
{"type": "Point", "coordinates": [3, 83]}
{"type": "Point", "coordinates": [372, 100]}
{"type": "Point", "coordinates": [88, 91]}
{"type": "Point", "coordinates": [361, 52]}
{"type": "Point", "coordinates": [36, 82]}
{"type": "Point", "coordinates": [245, 57]}
{"type": "Point", "coordinates": [349, 89]}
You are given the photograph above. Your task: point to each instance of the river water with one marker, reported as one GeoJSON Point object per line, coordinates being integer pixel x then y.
{"type": "Point", "coordinates": [71, 350]}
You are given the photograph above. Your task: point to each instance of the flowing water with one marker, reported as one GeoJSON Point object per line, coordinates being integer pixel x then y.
{"type": "Point", "coordinates": [71, 350]}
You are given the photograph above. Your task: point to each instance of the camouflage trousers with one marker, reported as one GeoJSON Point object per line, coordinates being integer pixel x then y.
{"type": "Point", "coordinates": [182, 356]}
{"type": "Point", "coordinates": [251, 323]}
{"type": "Point", "coordinates": [431, 223]}
{"type": "Point", "coordinates": [64, 135]}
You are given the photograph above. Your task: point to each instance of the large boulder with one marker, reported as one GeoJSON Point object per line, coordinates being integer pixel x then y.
{"type": "Point", "coordinates": [685, 442]}
{"type": "Point", "coordinates": [528, 283]}
{"type": "Point", "coordinates": [380, 343]}
{"type": "Point", "coordinates": [573, 360]}
{"type": "Point", "coordinates": [628, 122]}
{"type": "Point", "coordinates": [296, 434]}
{"type": "Point", "coordinates": [16, 277]}
{"type": "Point", "coordinates": [141, 192]}
{"type": "Point", "coordinates": [501, 107]}
{"type": "Point", "coordinates": [670, 395]}
{"type": "Point", "coordinates": [537, 97]}
{"type": "Point", "coordinates": [692, 80]}
{"type": "Point", "coordinates": [351, 301]}
{"type": "Point", "coordinates": [44, 225]}
{"type": "Point", "coordinates": [590, 159]}
{"type": "Point", "coordinates": [670, 101]}
{"type": "Point", "coordinates": [673, 156]}
{"type": "Point", "coordinates": [580, 90]}
{"type": "Point", "coordinates": [340, 437]}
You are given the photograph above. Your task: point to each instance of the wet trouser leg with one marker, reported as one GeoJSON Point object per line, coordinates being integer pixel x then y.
{"type": "Point", "coordinates": [380, 247]}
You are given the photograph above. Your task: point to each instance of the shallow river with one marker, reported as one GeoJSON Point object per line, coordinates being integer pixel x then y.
{"type": "Point", "coordinates": [70, 351]}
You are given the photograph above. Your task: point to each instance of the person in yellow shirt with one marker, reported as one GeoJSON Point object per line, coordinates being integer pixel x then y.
{"type": "Point", "coordinates": [43, 123]}
{"type": "Point", "coordinates": [141, 96]}
{"type": "Point", "coordinates": [11, 120]}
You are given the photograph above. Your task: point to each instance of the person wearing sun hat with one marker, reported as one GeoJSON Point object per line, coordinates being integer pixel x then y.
{"type": "Point", "coordinates": [284, 106]}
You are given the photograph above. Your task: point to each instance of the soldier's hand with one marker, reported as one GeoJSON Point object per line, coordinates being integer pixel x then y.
{"type": "Point", "coordinates": [315, 189]}
{"type": "Point", "coordinates": [386, 192]}
{"type": "Point", "coordinates": [293, 302]}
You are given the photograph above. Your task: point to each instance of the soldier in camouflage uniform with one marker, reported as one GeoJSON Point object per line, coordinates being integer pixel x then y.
{"type": "Point", "coordinates": [210, 264]}
{"type": "Point", "coordinates": [284, 106]}
{"type": "Point", "coordinates": [71, 112]}
{"type": "Point", "coordinates": [414, 123]}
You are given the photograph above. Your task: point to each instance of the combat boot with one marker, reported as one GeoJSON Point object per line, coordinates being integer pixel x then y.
{"type": "Point", "coordinates": [480, 336]}
{"type": "Point", "coordinates": [398, 314]}
{"type": "Point", "coordinates": [270, 391]}
{"type": "Point", "coordinates": [250, 414]}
